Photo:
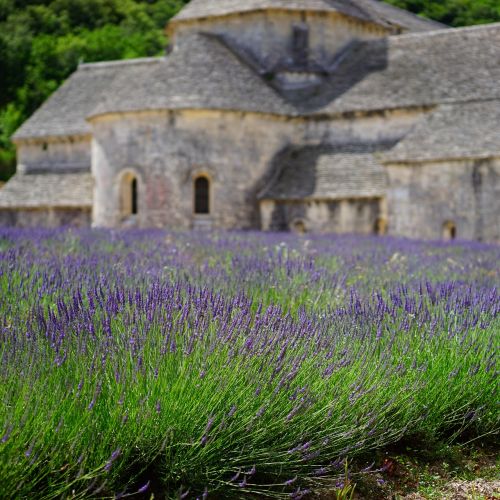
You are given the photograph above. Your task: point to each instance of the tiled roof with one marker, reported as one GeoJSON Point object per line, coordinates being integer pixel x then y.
{"type": "Point", "coordinates": [399, 17]}
{"type": "Point", "coordinates": [200, 73]}
{"type": "Point", "coordinates": [327, 173]}
{"type": "Point", "coordinates": [64, 113]}
{"type": "Point", "coordinates": [403, 71]}
{"type": "Point", "coordinates": [47, 190]}
{"type": "Point", "coordinates": [461, 130]}
{"type": "Point", "coordinates": [413, 70]}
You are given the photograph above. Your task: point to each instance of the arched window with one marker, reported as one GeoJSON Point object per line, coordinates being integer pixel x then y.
{"type": "Point", "coordinates": [300, 43]}
{"type": "Point", "coordinates": [201, 196]}
{"type": "Point", "coordinates": [133, 194]}
{"type": "Point", "coordinates": [129, 195]}
{"type": "Point", "coordinates": [449, 231]}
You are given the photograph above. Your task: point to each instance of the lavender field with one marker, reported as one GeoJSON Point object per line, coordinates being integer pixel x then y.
{"type": "Point", "coordinates": [220, 365]}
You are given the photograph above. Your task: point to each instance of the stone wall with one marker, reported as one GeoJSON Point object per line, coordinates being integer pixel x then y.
{"type": "Point", "coordinates": [340, 216]}
{"type": "Point", "coordinates": [167, 150]}
{"type": "Point", "coordinates": [68, 154]}
{"type": "Point", "coordinates": [268, 34]}
{"type": "Point", "coordinates": [48, 217]}
{"type": "Point", "coordinates": [424, 197]}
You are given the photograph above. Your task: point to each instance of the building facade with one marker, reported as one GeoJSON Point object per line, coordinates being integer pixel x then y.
{"type": "Point", "coordinates": [304, 115]}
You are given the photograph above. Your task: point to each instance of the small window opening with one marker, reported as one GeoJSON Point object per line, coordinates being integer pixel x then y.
{"type": "Point", "coordinates": [201, 196]}
{"type": "Point", "coordinates": [449, 231]}
{"type": "Point", "coordinates": [300, 43]}
{"type": "Point", "coordinates": [133, 194]}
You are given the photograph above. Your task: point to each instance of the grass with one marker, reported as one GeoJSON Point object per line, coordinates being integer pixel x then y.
{"type": "Point", "coordinates": [232, 365]}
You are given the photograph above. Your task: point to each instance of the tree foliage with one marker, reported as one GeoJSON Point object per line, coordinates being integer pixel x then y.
{"type": "Point", "coordinates": [454, 12]}
{"type": "Point", "coordinates": [42, 42]}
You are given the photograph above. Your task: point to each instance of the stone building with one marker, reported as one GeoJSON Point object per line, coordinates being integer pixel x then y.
{"type": "Point", "coordinates": [307, 115]}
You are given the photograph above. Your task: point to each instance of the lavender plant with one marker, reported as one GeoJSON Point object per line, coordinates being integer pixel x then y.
{"type": "Point", "coordinates": [229, 364]}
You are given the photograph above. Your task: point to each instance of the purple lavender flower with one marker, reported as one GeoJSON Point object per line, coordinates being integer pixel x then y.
{"type": "Point", "coordinates": [298, 494]}
{"type": "Point", "coordinates": [6, 436]}
{"type": "Point", "coordinates": [252, 471]}
{"type": "Point", "coordinates": [210, 424]}
{"type": "Point", "coordinates": [144, 488]}
{"type": "Point", "coordinates": [112, 459]}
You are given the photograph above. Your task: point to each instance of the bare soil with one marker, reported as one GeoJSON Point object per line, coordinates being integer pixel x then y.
{"type": "Point", "coordinates": [458, 472]}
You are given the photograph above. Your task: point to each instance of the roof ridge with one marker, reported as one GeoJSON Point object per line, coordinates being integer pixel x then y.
{"type": "Point", "coordinates": [464, 101]}
{"type": "Point", "coordinates": [446, 31]}
{"type": "Point", "coordinates": [121, 62]}
{"type": "Point", "coordinates": [366, 11]}
{"type": "Point", "coordinates": [405, 12]}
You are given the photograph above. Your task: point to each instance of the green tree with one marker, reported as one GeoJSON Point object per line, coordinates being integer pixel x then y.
{"type": "Point", "coordinates": [454, 12]}
{"type": "Point", "coordinates": [42, 42]}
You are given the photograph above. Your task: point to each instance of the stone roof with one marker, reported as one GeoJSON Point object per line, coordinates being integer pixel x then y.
{"type": "Point", "coordinates": [462, 130]}
{"type": "Point", "coordinates": [400, 17]}
{"type": "Point", "coordinates": [204, 72]}
{"type": "Point", "coordinates": [47, 190]}
{"type": "Point", "coordinates": [412, 70]}
{"type": "Point", "coordinates": [366, 10]}
{"type": "Point", "coordinates": [395, 72]}
{"type": "Point", "coordinates": [327, 173]}
{"type": "Point", "coordinates": [200, 73]}
{"type": "Point", "coordinates": [64, 113]}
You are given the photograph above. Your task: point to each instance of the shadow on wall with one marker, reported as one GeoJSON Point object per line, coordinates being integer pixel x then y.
{"type": "Point", "coordinates": [328, 80]}
{"type": "Point", "coordinates": [358, 60]}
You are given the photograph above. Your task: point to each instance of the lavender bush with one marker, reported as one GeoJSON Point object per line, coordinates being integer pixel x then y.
{"type": "Point", "coordinates": [197, 365]}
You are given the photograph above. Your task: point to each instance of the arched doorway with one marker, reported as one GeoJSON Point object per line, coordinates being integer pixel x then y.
{"type": "Point", "coordinates": [449, 231]}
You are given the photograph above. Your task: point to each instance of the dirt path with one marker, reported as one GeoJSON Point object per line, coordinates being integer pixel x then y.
{"type": "Point", "coordinates": [479, 489]}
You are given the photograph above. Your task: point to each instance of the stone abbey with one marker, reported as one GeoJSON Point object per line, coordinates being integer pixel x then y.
{"type": "Point", "coordinates": [305, 115]}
